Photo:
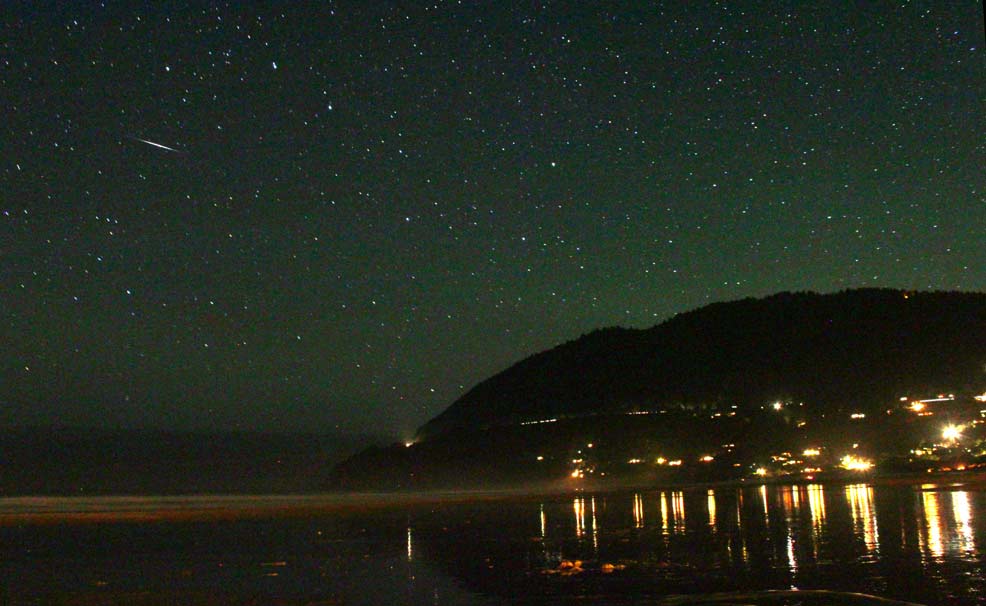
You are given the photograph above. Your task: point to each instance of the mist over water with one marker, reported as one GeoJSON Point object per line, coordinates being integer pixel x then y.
{"type": "Point", "coordinates": [912, 543]}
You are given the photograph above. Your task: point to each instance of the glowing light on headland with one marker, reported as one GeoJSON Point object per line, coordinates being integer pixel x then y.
{"type": "Point", "coordinates": [952, 433]}
{"type": "Point", "coordinates": [854, 463]}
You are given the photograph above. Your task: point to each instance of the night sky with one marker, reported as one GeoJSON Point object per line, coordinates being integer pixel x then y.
{"type": "Point", "coordinates": [296, 216]}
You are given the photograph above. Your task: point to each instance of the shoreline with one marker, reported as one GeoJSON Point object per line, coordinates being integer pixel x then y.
{"type": "Point", "coordinates": [43, 510]}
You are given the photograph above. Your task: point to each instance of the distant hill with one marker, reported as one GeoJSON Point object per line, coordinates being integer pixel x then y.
{"type": "Point", "coordinates": [79, 461]}
{"type": "Point", "coordinates": [721, 391]}
{"type": "Point", "coordinates": [857, 348]}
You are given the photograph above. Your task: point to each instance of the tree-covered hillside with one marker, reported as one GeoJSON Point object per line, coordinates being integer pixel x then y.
{"type": "Point", "coordinates": [855, 349]}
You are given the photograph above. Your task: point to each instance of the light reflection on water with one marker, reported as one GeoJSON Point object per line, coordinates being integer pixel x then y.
{"type": "Point", "coordinates": [947, 528]}
{"type": "Point", "coordinates": [678, 510]}
{"type": "Point", "coordinates": [664, 513]}
{"type": "Point", "coordinates": [763, 500]}
{"type": "Point", "coordinates": [579, 507]}
{"type": "Point", "coordinates": [410, 545]}
{"type": "Point", "coordinates": [901, 542]}
{"type": "Point", "coordinates": [799, 535]}
{"type": "Point", "coordinates": [962, 506]}
{"type": "Point", "coordinates": [595, 527]}
{"type": "Point", "coordinates": [932, 545]}
{"type": "Point", "coordinates": [816, 509]}
{"type": "Point", "coordinates": [860, 498]}
{"type": "Point", "coordinates": [710, 504]}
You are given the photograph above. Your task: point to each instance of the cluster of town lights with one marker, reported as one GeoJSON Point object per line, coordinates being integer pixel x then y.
{"type": "Point", "coordinates": [785, 463]}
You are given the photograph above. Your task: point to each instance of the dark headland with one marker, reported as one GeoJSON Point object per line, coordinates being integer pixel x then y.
{"type": "Point", "coordinates": [794, 386]}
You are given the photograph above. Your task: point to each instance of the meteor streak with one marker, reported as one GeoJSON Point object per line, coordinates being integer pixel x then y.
{"type": "Point", "coordinates": [157, 145]}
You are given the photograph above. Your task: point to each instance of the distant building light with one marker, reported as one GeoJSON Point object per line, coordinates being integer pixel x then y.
{"type": "Point", "coordinates": [761, 471]}
{"type": "Point", "coordinates": [778, 405]}
{"type": "Point", "coordinates": [540, 458]}
{"type": "Point", "coordinates": [408, 444]}
{"type": "Point", "coordinates": [589, 444]}
{"type": "Point", "coordinates": [917, 406]}
{"type": "Point", "coordinates": [811, 452]}
{"type": "Point", "coordinates": [952, 432]}
{"type": "Point", "coordinates": [676, 462]}
{"type": "Point", "coordinates": [661, 460]}
{"type": "Point", "coordinates": [635, 461]}
{"type": "Point", "coordinates": [707, 458]}
{"type": "Point", "coordinates": [857, 415]}
{"type": "Point", "coordinates": [981, 398]}
{"type": "Point", "coordinates": [577, 473]}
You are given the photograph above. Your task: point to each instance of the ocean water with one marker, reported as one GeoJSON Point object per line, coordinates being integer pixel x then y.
{"type": "Point", "coordinates": [922, 544]}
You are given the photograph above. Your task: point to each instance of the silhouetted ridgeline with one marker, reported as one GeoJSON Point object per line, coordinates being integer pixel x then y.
{"type": "Point", "coordinates": [857, 350]}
